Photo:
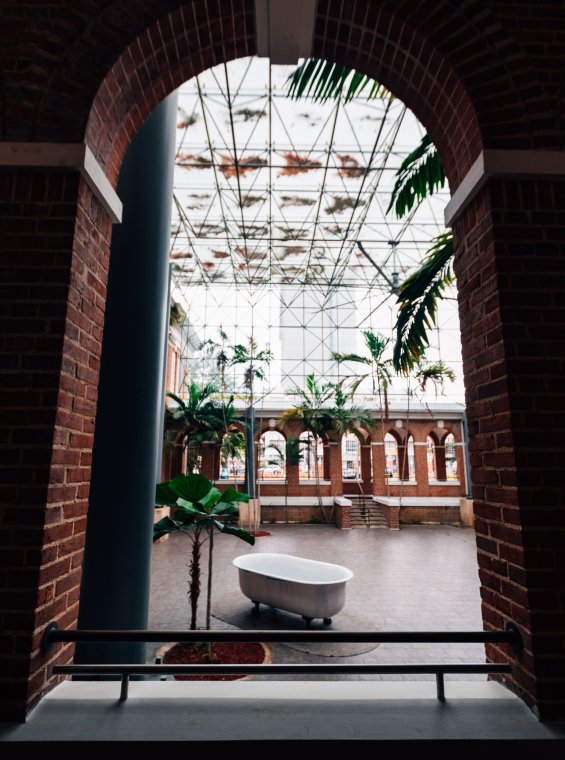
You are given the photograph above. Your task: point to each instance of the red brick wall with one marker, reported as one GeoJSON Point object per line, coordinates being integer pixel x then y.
{"type": "Point", "coordinates": [511, 272]}
{"type": "Point", "coordinates": [53, 274]}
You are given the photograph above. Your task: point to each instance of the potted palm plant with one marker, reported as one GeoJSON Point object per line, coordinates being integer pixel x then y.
{"type": "Point", "coordinates": [199, 511]}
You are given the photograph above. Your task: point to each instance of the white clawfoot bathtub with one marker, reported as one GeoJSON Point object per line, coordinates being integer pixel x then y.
{"type": "Point", "coordinates": [304, 586]}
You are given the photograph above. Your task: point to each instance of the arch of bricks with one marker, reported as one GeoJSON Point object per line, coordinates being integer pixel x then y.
{"type": "Point", "coordinates": [478, 75]}
{"type": "Point", "coordinates": [373, 481]}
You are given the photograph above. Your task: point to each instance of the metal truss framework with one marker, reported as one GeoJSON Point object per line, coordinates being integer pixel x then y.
{"type": "Point", "coordinates": [279, 225]}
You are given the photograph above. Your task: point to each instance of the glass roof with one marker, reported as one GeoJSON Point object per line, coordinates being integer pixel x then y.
{"type": "Point", "coordinates": [280, 227]}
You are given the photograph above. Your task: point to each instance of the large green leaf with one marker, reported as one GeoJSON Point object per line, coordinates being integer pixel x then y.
{"type": "Point", "coordinates": [163, 527]}
{"type": "Point", "coordinates": [225, 508]}
{"type": "Point", "coordinates": [230, 494]}
{"type": "Point", "coordinates": [239, 532]}
{"type": "Point", "coordinates": [212, 497]}
{"type": "Point", "coordinates": [165, 496]}
{"type": "Point", "coordinates": [188, 507]}
{"type": "Point", "coordinates": [418, 299]}
{"type": "Point", "coordinates": [192, 487]}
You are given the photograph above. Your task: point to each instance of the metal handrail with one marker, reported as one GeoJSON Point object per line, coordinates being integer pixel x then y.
{"type": "Point", "coordinates": [53, 634]}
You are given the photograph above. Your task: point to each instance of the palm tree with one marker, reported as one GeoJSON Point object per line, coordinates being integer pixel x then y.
{"type": "Point", "coordinates": [379, 366]}
{"type": "Point", "coordinates": [199, 418]}
{"type": "Point", "coordinates": [198, 510]}
{"type": "Point", "coordinates": [233, 446]}
{"type": "Point", "coordinates": [253, 360]}
{"type": "Point", "coordinates": [312, 410]}
{"type": "Point", "coordinates": [419, 176]}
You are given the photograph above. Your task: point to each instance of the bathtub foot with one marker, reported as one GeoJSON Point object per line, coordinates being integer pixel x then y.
{"type": "Point", "coordinates": [307, 620]}
{"type": "Point", "coordinates": [327, 621]}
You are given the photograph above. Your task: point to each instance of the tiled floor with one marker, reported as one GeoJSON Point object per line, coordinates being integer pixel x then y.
{"type": "Point", "coordinates": [420, 578]}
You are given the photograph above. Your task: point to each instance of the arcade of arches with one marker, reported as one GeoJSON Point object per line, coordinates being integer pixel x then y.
{"type": "Point", "coordinates": [486, 81]}
{"type": "Point", "coordinates": [418, 461]}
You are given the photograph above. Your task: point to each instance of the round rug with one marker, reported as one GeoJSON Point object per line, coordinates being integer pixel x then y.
{"type": "Point", "coordinates": [242, 614]}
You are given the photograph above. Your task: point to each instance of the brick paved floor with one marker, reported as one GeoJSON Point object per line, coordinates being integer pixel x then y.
{"type": "Point", "coordinates": [423, 577]}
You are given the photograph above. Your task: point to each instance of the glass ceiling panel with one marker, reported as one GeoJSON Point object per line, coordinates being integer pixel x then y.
{"type": "Point", "coordinates": [279, 222]}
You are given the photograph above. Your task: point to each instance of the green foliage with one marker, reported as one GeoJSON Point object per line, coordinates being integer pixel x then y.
{"type": "Point", "coordinates": [324, 80]}
{"type": "Point", "coordinates": [436, 373]}
{"type": "Point", "coordinates": [198, 509]}
{"type": "Point", "coordinates": [418, 303]}
{"type": "Point", "coordinates": [380, 367]}
{"type": "Point", "coordinates": [292, 450]}
{"type": "Point", "coordinates": [195, 501]}
{"type": "Point", "coordinates": [312, 407]}
{"type": "Point", "coordinates": [420, 175]}
{"type": "Point", "coordinates": [199, 418]}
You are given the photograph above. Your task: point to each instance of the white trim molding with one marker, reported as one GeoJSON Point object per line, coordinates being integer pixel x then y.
{"type": "Point", "coordinates": [285, 29]}
{"type": "Point", "coordinates": [503, 163]}
{"type": "Point", "coordinates": [77, 156]}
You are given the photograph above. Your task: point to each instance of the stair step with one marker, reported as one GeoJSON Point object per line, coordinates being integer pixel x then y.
{"type": "Point", "coordinates": [367, 515]}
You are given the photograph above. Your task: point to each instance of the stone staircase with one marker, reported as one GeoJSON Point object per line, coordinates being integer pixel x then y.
{"type": "Point", "coordinates": [366, 514]}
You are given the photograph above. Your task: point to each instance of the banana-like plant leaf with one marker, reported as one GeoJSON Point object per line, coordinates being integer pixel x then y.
{"type": "Point", "coordinates": [239, 532]}
{"type": "Point", "coordinates": [165, 496]}
{"type": "Point", "coordinates": [192, 487]}
{"type": "Point", "coordinates": [230, 495]}
{"type": "Point", "coordinates": [418, 303]}
{"type": "Point", "coordinates": [212, 497]}
{"type": "Point", "coordinates": [224, 508]}
{"type": "Point", "coordinates": [163, 527]}
{"type": "Point", "coordinates": [187, 507]}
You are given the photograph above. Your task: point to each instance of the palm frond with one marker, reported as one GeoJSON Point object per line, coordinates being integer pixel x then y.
{"type": "Point", "coordinates": [376, 343]}
{"type": "Point", "coordinates": [420, 174]}
{"type": "Point", "coordinates": [325, 80]}
{"type": "Point", "coordinates": [418, 299]}
{"type": "Point", "coordinates": [350, 358]}
{"type": "Point", "coordinates": [436, 373]}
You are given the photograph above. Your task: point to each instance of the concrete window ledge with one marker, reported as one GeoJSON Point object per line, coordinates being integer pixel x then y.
{"type": "Point", "coordinates": [272, 711]}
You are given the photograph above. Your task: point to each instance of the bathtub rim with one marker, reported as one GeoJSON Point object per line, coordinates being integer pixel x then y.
{"type": "Point", "coordinates": [347, 572]}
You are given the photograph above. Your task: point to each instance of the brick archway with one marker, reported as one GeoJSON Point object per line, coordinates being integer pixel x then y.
{"type": "Point", "coordinates": [470, 77]}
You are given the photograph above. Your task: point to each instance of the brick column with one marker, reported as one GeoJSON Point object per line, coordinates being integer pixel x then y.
{"type": "Point", "coordinates": [336, 476]}
{"type": "Point", "coordinates": [53, 270]}
{"type": "Point", "coordinates": [379, 467]}
{"type": "Point", "coordinates": [326, 462]}
{"type": "Point", "coordinates": [421, 467]}
{"type": "Point", "coordinates": [439, 455]}
{"type": "Point", "coordinates": [210, 460]}
{"type": "Point", "coordinates": [510, 267]}
{"type": "Point", "coordinates": [366, 475]}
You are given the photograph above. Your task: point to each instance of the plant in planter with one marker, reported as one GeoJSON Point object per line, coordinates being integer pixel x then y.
{"type": "Point", "coordinates": [199, 510]}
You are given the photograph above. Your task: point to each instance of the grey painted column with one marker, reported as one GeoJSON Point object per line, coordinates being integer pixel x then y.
{"type": "Point", "coordinates": [127, 442]}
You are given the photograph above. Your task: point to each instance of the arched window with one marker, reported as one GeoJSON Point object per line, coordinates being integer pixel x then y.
{"type": "Point", "coordinates": [272, 456]}
{"type": "Point", "coordinates": [391, 457]}
{"type": "Point", "coordinates": [410, 468]}
{"type": "Point", "coordinates": [350, 457]}
{"type": "Point", "coordinates": [399, 456]}
{"type": "Point", "coordinates": [232, 456]}
{"type": "Point", "coordinates": [431, 455]}
{"type": "Point", "coordinates": [450, 458]}
{"type": "Point", "coordinates": [311, 457]}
